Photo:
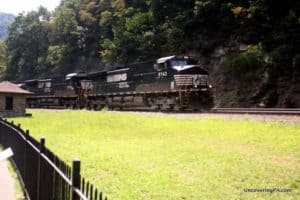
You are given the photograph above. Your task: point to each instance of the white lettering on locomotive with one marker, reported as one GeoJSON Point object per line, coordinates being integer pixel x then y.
{"type": "Point", "coordinates": [116, 77]}
{"type": "Point", "coordinates": [162, 74]}
{"type": "Point", "coordinates": [123, 85]}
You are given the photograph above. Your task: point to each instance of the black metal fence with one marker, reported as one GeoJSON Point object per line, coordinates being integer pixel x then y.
{"type": "Point", "coordinates": [43, 174]}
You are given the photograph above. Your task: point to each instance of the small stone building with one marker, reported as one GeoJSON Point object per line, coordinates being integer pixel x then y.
{"type": "Point", "coordinates": [12, 100]}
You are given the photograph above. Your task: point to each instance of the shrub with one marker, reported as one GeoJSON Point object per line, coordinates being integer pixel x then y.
{"type": "Point", "coordinates": [244, 65]}
{"type": "Point", "coordinates": [282, 60]}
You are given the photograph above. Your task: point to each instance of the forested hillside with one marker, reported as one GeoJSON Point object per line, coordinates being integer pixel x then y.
{"type": "Point", "coordinates": [251, 47]}
{"type": "Point", "coordinates": [5, 20]}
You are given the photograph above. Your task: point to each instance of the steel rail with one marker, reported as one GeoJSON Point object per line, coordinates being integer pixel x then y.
{"type": "Point", "coordinates": [267, 111]}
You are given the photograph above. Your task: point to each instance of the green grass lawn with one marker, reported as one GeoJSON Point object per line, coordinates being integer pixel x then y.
{"type": "Point", "coordinates": [132, 156]}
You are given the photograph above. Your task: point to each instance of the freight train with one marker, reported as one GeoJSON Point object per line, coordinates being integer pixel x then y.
{"type": "Point", "coordinates": [168, 83]}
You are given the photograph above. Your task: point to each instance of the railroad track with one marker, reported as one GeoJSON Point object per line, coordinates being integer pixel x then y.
{"type": "Point", "coordinates": [269, 111]}
{"type": "Point", "coordinates": [266, 111]}
{"type": "Point", "coordinates": [258, 111]}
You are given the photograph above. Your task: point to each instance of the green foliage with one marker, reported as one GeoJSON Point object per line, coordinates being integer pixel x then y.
{"type": "Point", "coordinates": [244, 65]}
{"type": "Point", "coordinates": [66, 25]}
{"type": "Point", "coordinates": [86, 34]}
{"type": "Point", "coordinates": [3, 57]}
{"type": "Point", "coordinates": [133, 34]}
{"type": "Point", "coordinates": [135, 156]}
{"type": "Point", "coordinates": [56, 57]}
{"type": "Point", "coordinates": [282, 60]}
{"type": "Point", "coordinates": [27, 41]}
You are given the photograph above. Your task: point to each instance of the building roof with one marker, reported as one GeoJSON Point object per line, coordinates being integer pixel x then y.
{"type": "Point", "coordinates": [8, 87]}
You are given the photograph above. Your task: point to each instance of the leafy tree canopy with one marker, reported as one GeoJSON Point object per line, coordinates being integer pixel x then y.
{"type": "Point", "coordinates": [87, 35]}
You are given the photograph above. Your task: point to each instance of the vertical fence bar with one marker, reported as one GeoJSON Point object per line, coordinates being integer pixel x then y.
{"type": "Point", "coordinates": [54, 186]}
{"type": "Point", "coordinates": [25, 157]}
{"type": "Point", "coordinates": [25, 154]}
{"type": "Point", "coordinates": [87, 190]}
{"type": "Point", "coordinates": [91, 192]}
{"type": "Point", "coordinates": [75, 177]}
{"type": "Point", "coordinates": [96, 194]}
{"type": "Point", "coordinates": [42, 148]}
{"type": "Point", "coordinates": [1, 128]}
{"type": "Point", "coordinates": [83, 186]}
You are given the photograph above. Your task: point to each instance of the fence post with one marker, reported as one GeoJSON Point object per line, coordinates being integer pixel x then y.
{"type": "Point", "coordinates": [1, 127]}
{"type": "Point", "coordinates": [75, 177]}
{"type": "Point", "coordinates": [42, 148]}
{"type": "Point", "coordinates": [25, 155]}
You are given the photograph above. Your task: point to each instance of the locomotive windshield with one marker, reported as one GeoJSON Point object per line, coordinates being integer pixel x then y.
{"type": "Point", "coordinates": [179, 62]}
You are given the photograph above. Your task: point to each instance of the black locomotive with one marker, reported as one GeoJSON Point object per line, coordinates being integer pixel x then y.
{"type": "Point", "coordinates": [169, 83]}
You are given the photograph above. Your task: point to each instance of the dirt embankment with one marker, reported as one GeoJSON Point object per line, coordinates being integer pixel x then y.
{"type": "Point", "coordinates": [253, 86]}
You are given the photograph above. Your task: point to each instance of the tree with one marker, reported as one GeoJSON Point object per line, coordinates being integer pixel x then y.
{"type": "Point", "coordinates": [3, 57]}
{"type": "Point", "coordinates": [133, 36]}
{"type": "Point", "coordinates": [26, 43]}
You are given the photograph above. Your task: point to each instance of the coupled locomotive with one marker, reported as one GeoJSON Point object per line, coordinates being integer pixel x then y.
{"type": "Point", "coordinates": [168, 83]}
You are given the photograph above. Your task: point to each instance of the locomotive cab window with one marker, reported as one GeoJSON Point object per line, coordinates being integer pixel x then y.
{"type": "Point", "coordinates": [161, 66]}
{"type": "Point", "coordinates": [9, 102]}
{"type": "Point", "coordinates": [48, 84]}
{"type": "Point", "coordinates": [41, 85]}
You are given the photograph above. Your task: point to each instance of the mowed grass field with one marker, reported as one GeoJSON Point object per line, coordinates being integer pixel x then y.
{"type": "Point", "coordinates": [134, 156]}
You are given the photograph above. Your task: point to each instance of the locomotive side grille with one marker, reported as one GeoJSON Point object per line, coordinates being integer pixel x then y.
{"type": "Point", "coordinates": [183, 80]}
{"type": "Point", "coordinates": [196, 80]}
{"type": "Point", "coordinates": [203, 80]}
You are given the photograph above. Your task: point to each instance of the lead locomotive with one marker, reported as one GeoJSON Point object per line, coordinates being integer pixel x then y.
{"type": "Point", "coordinates": [169, 83]}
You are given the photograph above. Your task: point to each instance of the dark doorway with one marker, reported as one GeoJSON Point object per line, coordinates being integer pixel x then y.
{"type": "Point", "coordinates": [9, 102]}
